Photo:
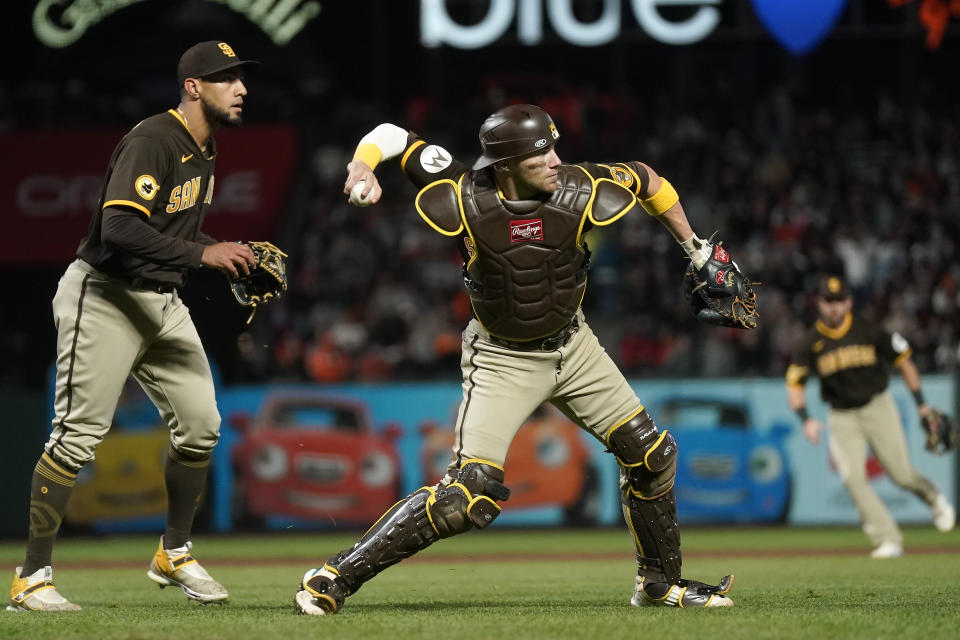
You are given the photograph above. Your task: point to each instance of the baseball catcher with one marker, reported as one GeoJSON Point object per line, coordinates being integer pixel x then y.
{"type": "Point", "coordinates": [518, 218]}
{"type": "Point", "coordinates": [718, 293]}
{"type": "Point", "coordinates": [942, 432]}
{"type": "Point", "coordinates": [266, 281]}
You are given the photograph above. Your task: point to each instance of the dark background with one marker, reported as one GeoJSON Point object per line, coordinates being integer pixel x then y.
{"type": "Point", "coordinates": [361, 63]}
{"type": "Point", "coordinates": [872, 100]}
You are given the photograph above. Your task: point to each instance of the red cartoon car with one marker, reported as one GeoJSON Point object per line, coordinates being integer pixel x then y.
{"type": "Point", "coordinates": [314, 457]}
{"type": "Point", "coordinates": [548, 465]}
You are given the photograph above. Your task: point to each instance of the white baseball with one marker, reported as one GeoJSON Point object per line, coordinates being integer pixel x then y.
{"type": "Point", "coordinates": [356, 199]}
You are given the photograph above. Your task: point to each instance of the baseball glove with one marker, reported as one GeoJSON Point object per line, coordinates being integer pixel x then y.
{"type": "Point", "coordinates": [718, 293]}
{"type": "Point", "coordinates": [942, 432]}
{"type": "Point", "coordinates": [266, 281]}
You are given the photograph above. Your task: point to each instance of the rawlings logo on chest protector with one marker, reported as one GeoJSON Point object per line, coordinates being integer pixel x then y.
{"type": "Point", "coordinates": [526, 230]}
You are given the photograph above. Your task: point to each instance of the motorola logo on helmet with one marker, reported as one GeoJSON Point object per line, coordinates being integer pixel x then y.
{"type": "Point", "coordinates": [515, 131]}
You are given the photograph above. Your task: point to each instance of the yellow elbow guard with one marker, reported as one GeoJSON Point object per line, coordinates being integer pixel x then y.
{"type": "Point", "coordinates": [370, 154]}
{"type": "Point", "coordinates": [665, 197]}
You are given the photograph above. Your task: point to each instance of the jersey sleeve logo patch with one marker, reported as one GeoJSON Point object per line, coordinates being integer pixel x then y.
{"type": "Point", "coordinates": [146, 187]}
{"type": "Point", "coordinates": [621, 176]}
{"type": "Point", "coordinates": [526, 230]}
{"type": "Point", "coordinates": [435, 159]}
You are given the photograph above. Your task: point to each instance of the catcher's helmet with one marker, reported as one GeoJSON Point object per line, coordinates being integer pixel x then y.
{"type": "Point", "coordinates": [515, 131]}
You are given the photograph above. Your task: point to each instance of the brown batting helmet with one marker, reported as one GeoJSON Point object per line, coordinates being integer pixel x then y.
{"type": "Point", "coordinates": [515, 131]}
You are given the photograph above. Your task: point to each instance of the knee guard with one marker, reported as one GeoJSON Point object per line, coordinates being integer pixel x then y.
{"type": "Point", "coordinates": [468, 501]}
{"type": "Point", "coordinates": [647, 458]}
{"type": "Point", "coordinates": [419, 520]}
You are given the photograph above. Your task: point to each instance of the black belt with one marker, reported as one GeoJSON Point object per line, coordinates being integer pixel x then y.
{"type": "Point", "coordinates": [157, 286]}
{"type": "Point", "coordinates": [550, 343]}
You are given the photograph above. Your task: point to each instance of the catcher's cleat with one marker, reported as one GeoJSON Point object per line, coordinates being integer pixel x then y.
{"type": "Point", "coordinates": [322, 591]}
{"type": "Point", "coordinates": [176, 567]}
{"type": "Point", "coordinates": [686, 594]}
{"type": "Point", "coordinates": [944, 515]}
{"type": "Point", "coordinates": [887, 550]}
{"type": "Point", "coordinates": [36, 592]}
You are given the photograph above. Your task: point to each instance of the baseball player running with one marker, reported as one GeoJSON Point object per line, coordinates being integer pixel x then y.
{"type": "Point", "coordinates": [852, 358]}
{"type": "Point", "coordinates": [117, 313]}
{"type": "Point", "coordinates": [519, 217]}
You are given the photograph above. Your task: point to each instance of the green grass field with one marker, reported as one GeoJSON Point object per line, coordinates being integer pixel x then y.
{"type": "Point", "coordinates": [790, 583]}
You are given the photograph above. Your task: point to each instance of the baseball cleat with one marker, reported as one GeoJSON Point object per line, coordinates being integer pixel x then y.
{"type": "Point", "coordinates": [686, 594]}
{"type": "Point", "coordinates": [176, 567]}
{"type": "Point", "coordinates": [322, 591]}
{"type": "Point", "coordinates": [36, 592]}
{"type": "Point", "coordinates": [944, 515]}
{"type": "Point", "coordinates": [887, 550]}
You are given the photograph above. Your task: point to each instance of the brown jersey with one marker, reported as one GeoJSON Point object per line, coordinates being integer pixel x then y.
{"type": "Point", "coordinates": [158, 173]}
{"type": "Point", "coordinates": [525, 261]}
{"type": "Point", "coordinates": [853, 361]}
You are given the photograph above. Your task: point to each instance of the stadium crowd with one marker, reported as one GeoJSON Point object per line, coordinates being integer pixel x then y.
{"type": "Point", "coordinates": [857, 181]}
{"type": "Point", "coordinates": [864, 185]}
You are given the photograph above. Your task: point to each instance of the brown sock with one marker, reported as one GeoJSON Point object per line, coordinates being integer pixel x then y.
{"type": "Point", "coordinates": [185, 478]}
{"type": "Point", "coordinates": [50, 490]}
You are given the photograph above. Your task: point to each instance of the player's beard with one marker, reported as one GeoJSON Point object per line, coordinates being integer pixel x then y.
{"type": "Point", "coordinates": [219, 116]}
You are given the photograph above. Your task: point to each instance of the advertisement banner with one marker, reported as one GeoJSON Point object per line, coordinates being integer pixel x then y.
{"type": "Point", "coordinates": [328, 457]}
{"type": "Point", "coordinates": [50, 191]}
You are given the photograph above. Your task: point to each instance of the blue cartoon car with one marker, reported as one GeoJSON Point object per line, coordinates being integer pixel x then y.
{"type": "Point", "coordinates": [727, 469]}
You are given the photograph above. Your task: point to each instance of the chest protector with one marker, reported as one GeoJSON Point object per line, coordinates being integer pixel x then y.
{"type": "Point", "coordinates": [527, 271]}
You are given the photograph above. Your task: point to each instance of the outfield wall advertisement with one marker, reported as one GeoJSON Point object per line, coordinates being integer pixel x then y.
{"type": "Point", "coordinates": [328, 457]}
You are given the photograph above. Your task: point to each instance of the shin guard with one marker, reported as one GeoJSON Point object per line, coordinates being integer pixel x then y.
{"type": "Point", "coordinates": [401, 532]}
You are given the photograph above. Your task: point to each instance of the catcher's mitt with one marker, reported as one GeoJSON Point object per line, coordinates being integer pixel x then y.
{"type": "Point", "coordinates": [265, 281]}
{"type": "Point", "coordinates": [718, 293]}
{"type": "Point", "coordinates": [942, 432]}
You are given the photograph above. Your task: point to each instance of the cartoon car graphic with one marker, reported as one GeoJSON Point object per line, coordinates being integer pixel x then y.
{"type": "Point", "coordinates": [125, 482]}
{"type": "Point", "coordinates": [314, 457]}
{"type": "Point", "coordinates": [727, 471]}
{"type": "Point", "coordinates": [548, 465]}
{"type": "Point", "coordinates": [123, 487]}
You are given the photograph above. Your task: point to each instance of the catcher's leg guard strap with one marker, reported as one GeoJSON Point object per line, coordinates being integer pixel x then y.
{"type": "Point", "coordinates": [401, 532]}
{"type": "Point", "coordinates": [656, 535]}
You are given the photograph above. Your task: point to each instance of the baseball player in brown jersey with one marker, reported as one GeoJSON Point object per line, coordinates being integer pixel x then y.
{"type": "Point", "coordinates": [852, 358]}
{"type": "Point", "coordinates": [519, 219]}
{"type": "Point", "coordinates": [117, 312]}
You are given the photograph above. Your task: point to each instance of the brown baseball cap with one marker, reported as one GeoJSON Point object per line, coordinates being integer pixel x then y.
{"type": "Point", "coordinates": [206, 58]}
{"type": "Point", "coordinates": [833, 288]}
